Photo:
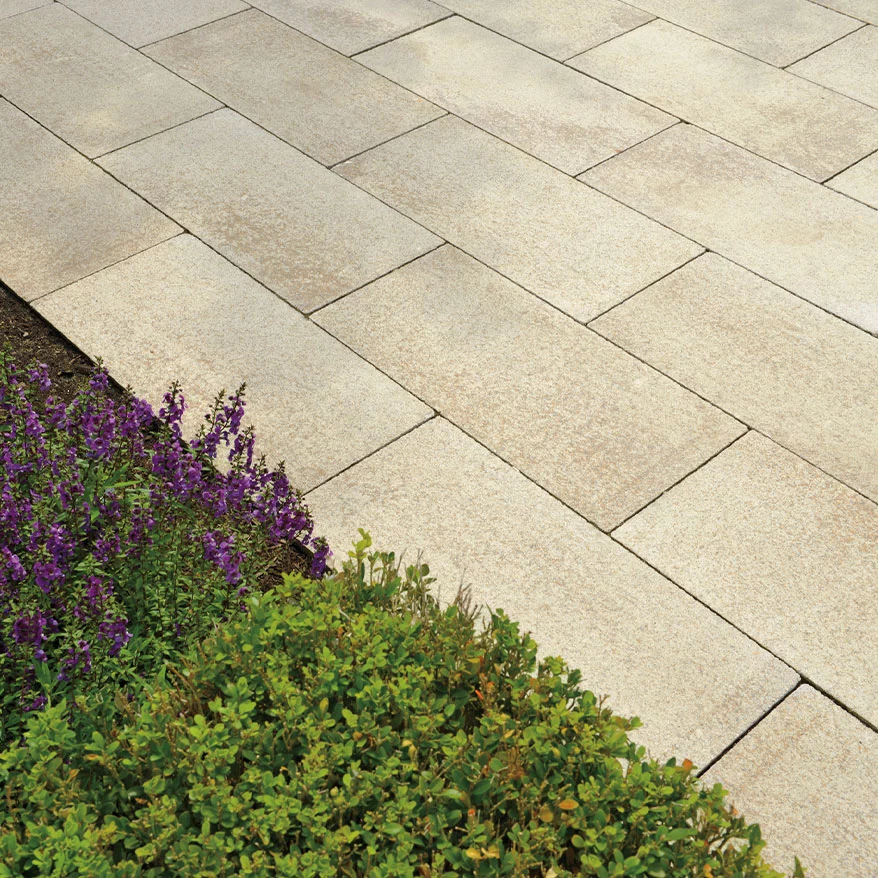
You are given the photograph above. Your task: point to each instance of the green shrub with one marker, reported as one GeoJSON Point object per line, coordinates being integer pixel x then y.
{"type": "Point", "coordinates": [351, 727]}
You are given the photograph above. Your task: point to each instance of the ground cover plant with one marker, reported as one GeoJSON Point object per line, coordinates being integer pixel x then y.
{"type": "Point", "coordinates": [120, 543]}
{"type": "Point", "coordinates": [352, 727]}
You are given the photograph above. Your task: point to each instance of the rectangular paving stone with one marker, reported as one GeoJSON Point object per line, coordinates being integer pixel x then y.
{"type": "Point", "coordinates": [776, 31]}
{"type": "Point", "coordinates": [62, 218]}
{"type": "Point", "coordinates": [532, 102]}
{"type": "Point", "coordinates": [779, 116]}
{"type": "Point", "coordinates": [13, 7]}
{"type": "Point", "coordinates": [181, 312]}
{"type": "Point", "coordinates": [860, 181]}
{"type": "Point", "coordinates": [319, 101]}
{"type": "Point", "coordinates": [865, 10]}
{"type": "Point", "coordinates": [779, 364]}
{"type": "Point", "coordinates": [140, 22]}
{"type": "Point", "coordinates": [91, 90]}
{"type": "Point", "coordinates": [350, 26]}
{"type": "Point", "coordinates": [589, 423]}
{"type": "Point", "coordinates": [559, 28]}
{"type": "Point", "coordinates": [577, 249]}
{"type": "Point", "coordinates": [802, 236]}
{"type": "Point", "coordinates": [782, 551]}
{"type": "Point", "coordinates": [849, 66]}
{"type": "Point", "coordinates": [693, 680]}
{"type": "Point", "coordinates": [282, 217]}
{"type": "Point", "coordinates": [807, 774]}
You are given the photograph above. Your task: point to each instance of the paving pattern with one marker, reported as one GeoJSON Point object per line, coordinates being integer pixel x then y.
{"type": "Point", "coordinates": [579, 299]}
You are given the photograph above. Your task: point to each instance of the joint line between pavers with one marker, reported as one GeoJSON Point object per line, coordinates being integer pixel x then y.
{"type": "Point", "coordinates": [677, 121]}
{"type": "Point", "coordinates": [610, 39]}
{"type": "Point", "coordinates": [187, 31]}
{"type": "Point", "coordinates": [832, 43]}
{"type": "Point", "coordinates": [408, 33]}
{"type": "Point", "coordinates": [842, 171]}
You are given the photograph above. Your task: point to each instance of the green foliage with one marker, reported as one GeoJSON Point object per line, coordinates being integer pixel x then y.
{"type": "Point", "coordinates": [352, 727]}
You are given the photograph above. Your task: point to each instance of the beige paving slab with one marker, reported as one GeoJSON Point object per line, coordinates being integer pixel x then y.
{"type": "Point", "coordinates": [533, 102]}
{"type": "Point", "coordinates": [139, 22]}
{"type": "Point", "coordinates": [849, 66]}
{"type": "Point", "coordinates": [62, 218]}
{"type": "Point", "coordinates": [776, 362]}
{"type": "Point", "coordinates": [860, 181]}
{"type": "Point", "coordinates": [804, 237]}
{"type": "Point", "coordinates": [781, 550]}
{"type": "Point", "coordinates": [692, 679]}
{"type": "Point", "coordinates": [559, 28]}
{"type": "Point", "coordinates": [865, 10]}
{"type": "Point", "coordinates": [13, 7]}
{"type": "Point", "coordinates": [350, 26]}
{"type": "Point", "coordinates": [282, 217]}
{"type": "Point", "coordinates": [779, 116]}
{"type": "Point", "coordinates": [91, 90]}
{"type": "Point", "coordinates": [807, 774]}
{"type": "Point", "coordinates": [572, 246]}
{"type": "Point", "coordinates": [776, 31]}
{"type": "Point", "coordinates": [321, 102]}
{"type": "Point", "coordinates": [592, 425]}
{"type": "Point", "coordinates": [181, 312]}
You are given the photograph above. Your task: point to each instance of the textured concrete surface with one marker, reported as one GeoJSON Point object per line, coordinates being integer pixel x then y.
{"type": "Point", "coordinates": [178, 311]}
{"type": "Point", "coordinates": [635, 636]}
{"type": "Point", "coordinates": [319, 101]}
{"type": "Point", "coordinates": [804, 237]}
{"type": "Point", "coordinates": [795, 123]}
{"type": "Point", "coordinates": [456, 225]}
{"type": "Point", "coordinates": [808, 774]}
{"type": "Point", "coordinates": [85, 86]}
{"type": "Point", "coordinates": [535, 225]}
{"type": "Point", "coordinates": [276, 213]}
{"type": "Point", "coordinates": [544, 108]}
{"type": "Point", "coordinates": [734, 535]}
{"type": "Point", "coordinates": [456, 341]}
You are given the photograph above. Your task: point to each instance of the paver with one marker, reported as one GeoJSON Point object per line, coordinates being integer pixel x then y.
{"type": "Point", "coordinates": [860, 181]}
{"type": "Point", "coordinates": [657, 653]}
{"type": "Point", "coordinates": [776, 31]}
{"type": "Point", "coordinates": [849, 66]}
{"type": "Point", "coordinates": [319, 101]}
{"type": "Point", "coordinates": [350, 26]}
{"type": "Point", "coordinates": [291, 223]}
{"type": "Point", "coordinates": [13, 7]}
{"type": "Point", "coordinates": [559, 28]}
{"type": "Point", "coordinates": [865, 10]}
{"type": "Point", "coordinates": [181, 312]}
{"type": "Point", "coordinates": [572, 246]}
{"type": "Point", "coordinates": [140, 22]}
{"type": "Point", "coordinates": [87, 87]}
{"type": "Point", "coordinates": [62, 218]}
{"type": "Point", "coordinates": [804, 237]}
{"type": "Point", "coordinates": [776, 362]}
{"type": "Point", "coordinates": [533, 102]}
{"type": "Point", "coordinates": [779, 116]}
{"type": "Point", "coordinates": [784, 552]}
{"type": "Point", "coordinates": [807, 774]}
{"type": "Point", "coordinates": [592, 425]}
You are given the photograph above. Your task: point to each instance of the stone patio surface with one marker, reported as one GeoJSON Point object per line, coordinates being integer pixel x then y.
{"type": "Point", "coordinates": [579, 298]}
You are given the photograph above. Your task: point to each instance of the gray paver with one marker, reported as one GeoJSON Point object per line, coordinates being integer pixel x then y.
{"type": "Point", "coordinates": [87, 87]}
{"type": "Point", "coordinates": [62, 218]}
{"type": "Point", "coordinates": [635, 636]}
{"type": "Point", "coordinates": [291, 223]}
{"type": "Point", "coordinates": [592, 425]}
{"type": "Point", "coordinates": [139, 22]}
{"type": "Point", "coordinates": [865, 10]}
{"type": "Point", "coordinates": [181, 312]}
{"type": "Point", "coordinates": [776, 31]}
{"type": "Point", "coordinates": [779, 116]}
{"type": "Point", "coordinates": [849, 66]}
{"type": "Point", "coordinates": [804, 237]}
{"type": "Point", "coordinates": [860, 181]}
{"type": "Point", "coordinates": [532, 223]}
{"type": "Point", "coordinates": [534, 103]}
{"type": "Point", "coordinates": [807, 774]}
{"type": "Point", "coordinates": [784, 552]}
{"type": "Point", "coordinates": [781, 365]}
{"type": "Point", "coordinates": [321, 102]}
{"type": "Point", "coordinates": [559, 28]}
{"type": "Point", "coordinates": [350, 26]}
{"type": "Point", "coordinates": [13, 7]}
